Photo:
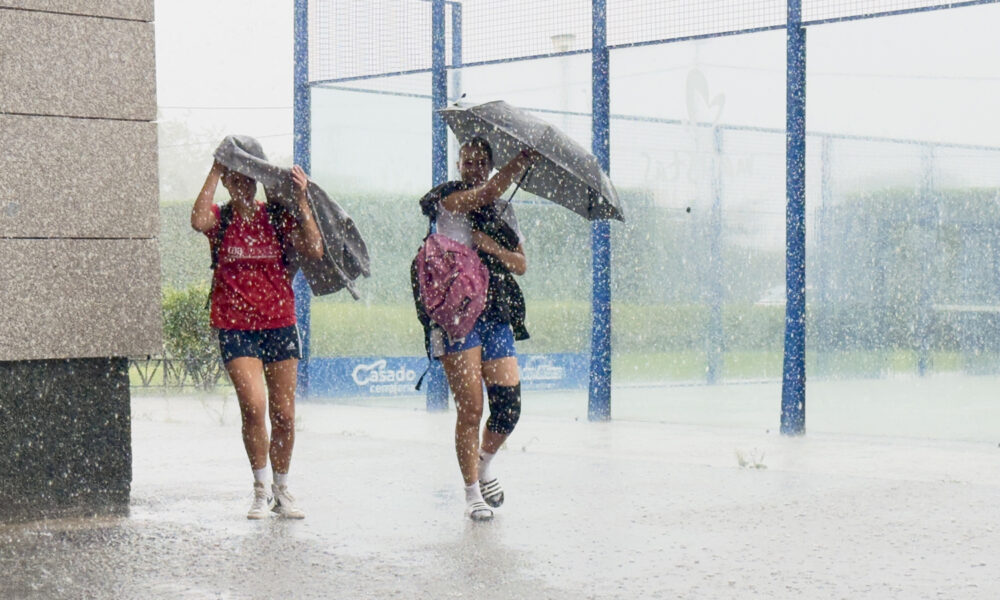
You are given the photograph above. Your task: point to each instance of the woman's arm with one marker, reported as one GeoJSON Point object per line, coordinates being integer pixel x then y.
{"type": "Point", "coordinates": [469, 200]}
{"type": "Point", "coordinates": [514, 261]}
{"type": "Point", "coordinates": [202, 217]}
{"type": "Point", "coordinates": [306, 237]}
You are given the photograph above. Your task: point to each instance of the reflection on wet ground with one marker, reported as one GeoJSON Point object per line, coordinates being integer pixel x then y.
{"type": "Point", "coordinates": [139, 557]}
{"type": "Point", "coordinates": [612, 510]}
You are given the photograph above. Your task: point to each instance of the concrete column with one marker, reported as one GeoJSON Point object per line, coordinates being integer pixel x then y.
{"type": "Point", "coordinates": [79, 260]}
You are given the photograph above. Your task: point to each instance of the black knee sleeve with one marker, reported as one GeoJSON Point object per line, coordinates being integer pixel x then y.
{"type": "Point", "coordinates": [505, 407]}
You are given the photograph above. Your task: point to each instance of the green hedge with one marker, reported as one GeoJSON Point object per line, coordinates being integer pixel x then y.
{"type": "Point", "coordinates": [876, 262]}
{"type": "Point", "coordinates": [659, 258]}
{"type": "Point", "coordinates": [187, 335]}
{"type": "Point", "coordinates": [360, 329]}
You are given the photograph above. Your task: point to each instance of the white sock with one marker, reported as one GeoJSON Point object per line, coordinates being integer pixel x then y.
{"type": "Point", "coordinates": [281, 479]}
{"type": "Point", "coordinates": [472, 493]}
{"type": "Point", "coordinates": [485, 458]}
{"type": "Point", "coordinates": [260, 475]}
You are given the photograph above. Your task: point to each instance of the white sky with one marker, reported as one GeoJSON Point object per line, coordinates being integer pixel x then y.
{"type": "Point", "coordinates": [225, 66]}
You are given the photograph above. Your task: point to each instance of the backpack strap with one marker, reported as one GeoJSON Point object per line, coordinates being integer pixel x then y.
{"type": "Point", "coordinates": [225, 218]}
{"type": "Point", "coordinates": [420, 381]}
{"type": "Point", "coordinates": [274, 214]}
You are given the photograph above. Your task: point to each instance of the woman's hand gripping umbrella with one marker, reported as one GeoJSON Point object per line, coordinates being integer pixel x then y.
{"type": "Point", "coordinates": [562, 170]}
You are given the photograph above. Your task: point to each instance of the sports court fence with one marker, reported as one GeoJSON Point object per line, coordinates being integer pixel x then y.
{"type": "Point", "coordinates": [745, 236]}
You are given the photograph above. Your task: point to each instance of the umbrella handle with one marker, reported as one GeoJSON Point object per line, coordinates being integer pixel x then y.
{"type": "Point", "coordinates": [517, 187]}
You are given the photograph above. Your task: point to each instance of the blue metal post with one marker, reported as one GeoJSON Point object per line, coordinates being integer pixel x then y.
{"type": "Point", "coordinates": [793, 385]}
{"type": "Point", "coordinates": [437, 383]}
{"type": "Point", "coordinates": [301, 141]}
{"type": "Point", "coordinates": [456, 49]}
{"type": "Point", "coordinates": [599, 403]}
{"type": "Point", "coordinates": [714, 338]}
{"type": "Point", "coordinates": [455, 85]}
{"type": "Point", "coordinates": [439, 94]}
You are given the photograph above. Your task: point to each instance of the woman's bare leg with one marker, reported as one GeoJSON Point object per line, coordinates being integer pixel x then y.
{"type": "Point", "coordinates": [464, 371]}
{"type": "Point", "coordinates": [281, 380]}
{"type": "Point", "coordinates": [247, 375]}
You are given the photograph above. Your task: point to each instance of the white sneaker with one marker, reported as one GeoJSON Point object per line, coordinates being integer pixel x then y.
{"type": "Point", "coordinates": [284, 503]}
{"type": "Point", "coordinates": [261, 502]}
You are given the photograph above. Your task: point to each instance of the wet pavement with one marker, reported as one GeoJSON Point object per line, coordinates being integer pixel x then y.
{"type": "Point", "coordinates": [593, 510]}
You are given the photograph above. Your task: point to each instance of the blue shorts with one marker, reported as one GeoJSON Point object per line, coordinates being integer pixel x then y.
{"type": "Point", "coordinates": [497, 340]}
{"type": "Point", "coordinates": [269, 345]}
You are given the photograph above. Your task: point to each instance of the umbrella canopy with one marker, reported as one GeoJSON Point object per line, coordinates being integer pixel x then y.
{"type": "Point", "coordinates": [566, 174]}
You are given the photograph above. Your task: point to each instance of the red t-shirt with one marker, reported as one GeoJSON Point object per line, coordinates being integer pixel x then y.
{"type": "Point", "coordinates": [251, 287]}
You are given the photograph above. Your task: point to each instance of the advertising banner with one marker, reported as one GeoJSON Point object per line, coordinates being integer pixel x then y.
{"type": "Point", "coordinates": [369, 377]}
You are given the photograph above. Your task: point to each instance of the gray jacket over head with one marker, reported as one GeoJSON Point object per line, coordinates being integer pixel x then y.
{"type": "Point", "coordinates": [345, 256]}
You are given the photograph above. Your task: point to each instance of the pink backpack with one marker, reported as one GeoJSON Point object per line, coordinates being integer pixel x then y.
{"type": "Point", "coordinates": [452, 283]}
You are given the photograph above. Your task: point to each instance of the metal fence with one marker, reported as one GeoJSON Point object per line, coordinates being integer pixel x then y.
{"type": "Point", "coordinates": [717, 206]}
{"type": "Point", "coordinates": [164, 372]}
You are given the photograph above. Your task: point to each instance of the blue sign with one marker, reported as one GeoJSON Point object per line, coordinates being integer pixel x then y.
{"type": "Point", "coordinates": [373, 377]}
{"type": "Point", "coordinates": [554, 371]}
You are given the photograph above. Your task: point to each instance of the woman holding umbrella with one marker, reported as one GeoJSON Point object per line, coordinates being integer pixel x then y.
{"type": "Point", "coordinates": [467, 211]}
{"type": "Point", "coordinates": [253, 309]}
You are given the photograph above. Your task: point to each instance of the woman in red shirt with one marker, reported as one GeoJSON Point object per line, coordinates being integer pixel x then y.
{"type": "Point", "coordinates": [253, 309]}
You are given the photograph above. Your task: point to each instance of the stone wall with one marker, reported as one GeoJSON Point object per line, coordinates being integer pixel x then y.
{"type": "Point", "coordinates": [79, 261]}
{"type": "Point", "coordinates": [65, 435]}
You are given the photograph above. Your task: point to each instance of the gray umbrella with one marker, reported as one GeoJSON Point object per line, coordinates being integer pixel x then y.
{"type": "Point", "coordinates": [566, 174]}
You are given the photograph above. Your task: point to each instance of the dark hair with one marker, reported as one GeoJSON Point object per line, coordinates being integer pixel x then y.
{"type": "Point", "coordinates": [229, 171]}
{"type": "Point", "coordinates": [251, 182]}
{"type": "Point", "coordinates": [482, 144]}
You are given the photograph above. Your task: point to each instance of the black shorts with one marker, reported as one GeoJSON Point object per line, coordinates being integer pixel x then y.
{"type": "Point", "coordinates": [269, 345]}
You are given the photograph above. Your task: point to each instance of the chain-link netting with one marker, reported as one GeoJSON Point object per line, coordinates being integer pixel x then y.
{"type": "Point", "coordinates": [497, 30]}
{"type": "Point", "coordinates": [697, 262]}
{"type": "Point", "coordinates": [643, 21]}
{"type": "Point", "coordinates": [364, 38]}
{"type": "Point", "coordinates": [903, 272]}
{"type": "Point", "coordinates": [360, 38]}
{"type": "Point", "coordinates": [821, 10]}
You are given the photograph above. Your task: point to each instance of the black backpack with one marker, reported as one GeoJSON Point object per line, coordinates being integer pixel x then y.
{"type": "Point", "coordinates": [504, 300]}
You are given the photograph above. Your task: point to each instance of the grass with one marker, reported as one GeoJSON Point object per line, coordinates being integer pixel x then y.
{"type": "Point", "coordinates": [356, 329]}
{"type": "Point", "coordinates": [651, 342]}
{"type": "Point", "coordinates": [659, 338]}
